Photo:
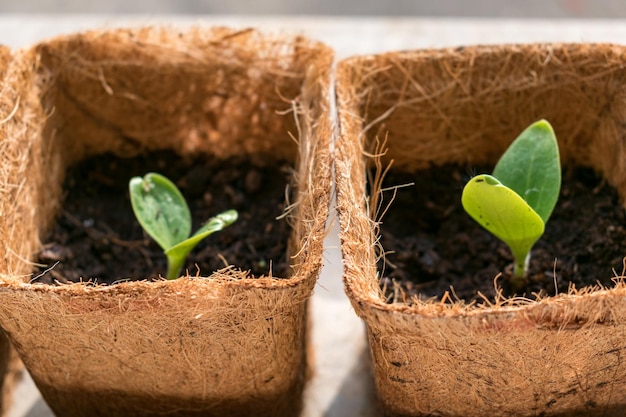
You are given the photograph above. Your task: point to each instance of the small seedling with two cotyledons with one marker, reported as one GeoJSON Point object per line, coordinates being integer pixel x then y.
{"type": "Point", "coordinates": [516, 201]}
{"type": "Point", "coordinates": [163, 213]}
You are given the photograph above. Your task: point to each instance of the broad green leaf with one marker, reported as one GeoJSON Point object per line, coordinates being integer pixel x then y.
{"type": "Point", "coordinates": [160, 209]}
{"type": "Point", "coordinates": [531, 167]}
{"type": "Point", "coordinates": [504, 213]}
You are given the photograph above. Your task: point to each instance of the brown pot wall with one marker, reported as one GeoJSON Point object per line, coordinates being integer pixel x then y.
{"type": "Point", "coordinates": [10, 365]}
{"type": "Point", "coordinates": [228, 344]}
{"type": "Point", "coordinates": [558, 356]}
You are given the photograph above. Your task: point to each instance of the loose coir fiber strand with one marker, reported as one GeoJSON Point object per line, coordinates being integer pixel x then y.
{"type": "Point", "coordinates": [229, 344]}
{"type": "Point", "coordinates": [558, 356]}
{"type": "Point", "coordinates": [10, 365]}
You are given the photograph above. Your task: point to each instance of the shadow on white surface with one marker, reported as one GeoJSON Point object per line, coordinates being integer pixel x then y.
{"type": "Point", "coordinates": [39, 409]}
{"type": "Point", "coordinates": [357, 394]}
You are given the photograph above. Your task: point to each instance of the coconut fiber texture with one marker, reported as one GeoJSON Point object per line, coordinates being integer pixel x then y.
{"type": "Point", "coordinates": [230, 344]}
{"type": "Point", "coordinates": [10, 365]}
{"type": "Point", "coordinates": [557, 356]}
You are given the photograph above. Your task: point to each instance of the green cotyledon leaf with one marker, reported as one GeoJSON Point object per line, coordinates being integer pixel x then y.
{"type": "Point", "coordinates": [161, 209]}
{"type": "Point", "coordinates": [504, 213]}
{"type": "Point", "coordinates": [531, 167]}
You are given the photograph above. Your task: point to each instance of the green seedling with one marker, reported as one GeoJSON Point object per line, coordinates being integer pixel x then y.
{"type": "Point", "coordinates": [163, 213]}
{"type": "Point", "coordinates": [516, 201]}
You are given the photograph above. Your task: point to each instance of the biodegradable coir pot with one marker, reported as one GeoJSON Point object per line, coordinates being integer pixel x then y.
{"type": "Point", "coordinates": [552, 355]}
{"type": "Point", "coordinates": [10, 365]}
{"type": "Point", "coordinates": [225, 344]}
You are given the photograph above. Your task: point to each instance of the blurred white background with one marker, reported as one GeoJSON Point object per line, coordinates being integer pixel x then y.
{"type": "Point", "coordinates": [406, 8]}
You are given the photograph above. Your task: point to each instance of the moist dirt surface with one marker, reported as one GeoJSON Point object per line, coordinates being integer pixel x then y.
{"type": "Point", "coordinates": [432, 245]}
{"type": "Point", "coordinates": [97, 238]}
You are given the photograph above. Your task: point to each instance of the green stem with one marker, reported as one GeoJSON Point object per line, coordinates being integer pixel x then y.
{"type": "Point", "coordinates": [174, 265]}
{"type": "Point", "coordinates": [520, 267]}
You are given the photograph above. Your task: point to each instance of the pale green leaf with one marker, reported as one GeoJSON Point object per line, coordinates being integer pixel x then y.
{"type": "Point", "coordinates": [504, 213]}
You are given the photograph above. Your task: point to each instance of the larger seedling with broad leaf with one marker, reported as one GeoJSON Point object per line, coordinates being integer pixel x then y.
{"type": "Point", "coordinates": [517, 200]}
{"type": "Point", "coordinates": [163, 213]}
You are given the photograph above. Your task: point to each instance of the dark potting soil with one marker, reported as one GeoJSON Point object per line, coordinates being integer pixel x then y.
{"type": "Point", "coordinates": [97, 238]}
{"type": "Point", "coordinates": [432, 244]}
